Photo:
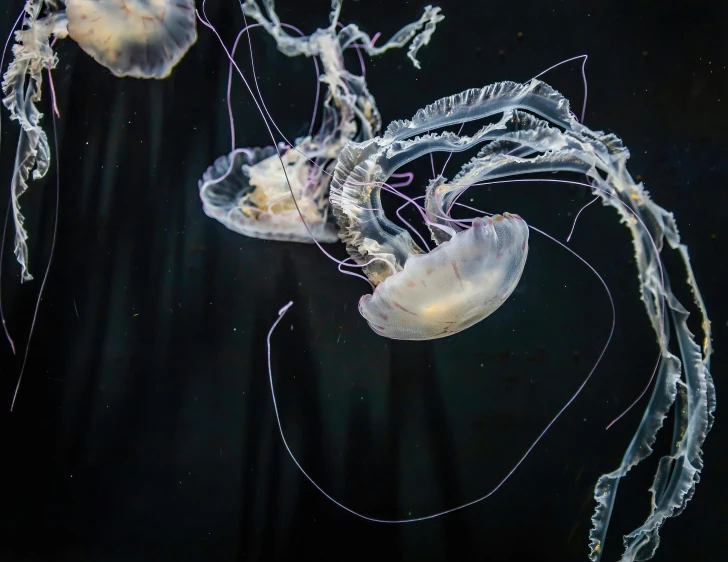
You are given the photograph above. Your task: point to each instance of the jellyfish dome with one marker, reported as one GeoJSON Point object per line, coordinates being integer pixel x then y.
{"type": "Point", "coordinates": [248, 192]}
{"type": "Point", "coordinates": [453, 287]}
{"type": "Point", "coordinates": [136, 38]}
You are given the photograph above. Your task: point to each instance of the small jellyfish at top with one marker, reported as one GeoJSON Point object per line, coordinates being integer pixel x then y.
{"type": "Point", "coordinates": [264, 192]}
{"type": "Point", "coordinates": [134, 38]}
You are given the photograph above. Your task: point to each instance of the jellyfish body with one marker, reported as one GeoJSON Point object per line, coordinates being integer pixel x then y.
{"type": "Point", "coordinates": [453, 287]}
{"type": "Point", "coordinates": [535, 133]}
{"type": "Point", "coordinates": [248, 193]}
{"type": "Point", "coordinates": [136, 38]}
{"type": "Point", "coordinates": [140, 38]}
{"type": "Point", "coordinates": [242, 200]}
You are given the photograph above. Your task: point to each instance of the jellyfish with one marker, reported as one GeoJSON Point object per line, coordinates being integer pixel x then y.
{"type": "Point", "coordinates": [247, 190]}
{"type": "Point", "coordinates": [477, 261]}
{"type": "Point", "coordinates": [136, 38]}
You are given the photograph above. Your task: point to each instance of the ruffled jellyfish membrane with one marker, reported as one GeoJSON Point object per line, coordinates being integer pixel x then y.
{"type": "Point", "coordinates": [536, 133]}
{"type": "Point", "coordinates": [250, 190]}
{"type": "Point", "coordinates": [136, 38]}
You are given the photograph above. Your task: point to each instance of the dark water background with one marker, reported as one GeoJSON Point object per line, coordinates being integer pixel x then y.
{"type": "Point", "coordinates": [144, 428]}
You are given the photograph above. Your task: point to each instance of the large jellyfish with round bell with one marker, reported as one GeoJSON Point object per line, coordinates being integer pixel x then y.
{"type": "Point", "coordinates": [451, 288]}
{"type": "Point", "coordinates": [250, 190]}
{"type": "Point", "coordinates": [135, 38]}
{"type": "Point", "coordinates": [421, 293]}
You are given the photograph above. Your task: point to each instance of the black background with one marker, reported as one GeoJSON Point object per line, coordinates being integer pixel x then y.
{"type": "Point", "coordinates": [144, 428]}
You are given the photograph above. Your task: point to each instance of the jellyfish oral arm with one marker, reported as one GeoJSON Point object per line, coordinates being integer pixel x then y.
{"type": "Point", "coordinates": [22, 89]}
{"type": "Point", "coordinates": [419, 32]}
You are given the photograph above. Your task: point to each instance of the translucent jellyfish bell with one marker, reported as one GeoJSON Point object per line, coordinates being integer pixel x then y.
{"type": "Point", "coordinates": [248, 193]}
{"type": "Point", "coordinates": [453, 287]}
{"type": "Point", "coordinates": [137, 38]}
